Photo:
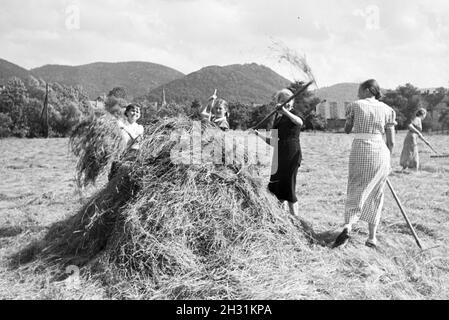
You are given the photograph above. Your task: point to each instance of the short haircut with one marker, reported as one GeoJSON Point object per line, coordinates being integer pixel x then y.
{"type": "Point", "coordinates": [132, 107]}
{"type": "Point", "coordinates": [284, 95]}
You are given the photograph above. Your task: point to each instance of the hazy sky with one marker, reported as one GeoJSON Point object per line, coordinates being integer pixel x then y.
{"type": "Point", "coordinates": [394, 41]}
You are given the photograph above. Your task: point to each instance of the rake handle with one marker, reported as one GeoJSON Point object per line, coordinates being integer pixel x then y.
{"type": "Point", "coordinates": [404, 215]}
{"type": "Point", "coordinates": [430, 146]}
{"type": "Point", "coordinates": [297, 93]}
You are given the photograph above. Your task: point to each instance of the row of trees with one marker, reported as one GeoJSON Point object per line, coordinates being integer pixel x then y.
{"type": "Point", "coordinates": [21, 106]}
{"type": "Point", "coordinates": [407, 99]}
{"type": "Point", "coordinates": [241, 116]}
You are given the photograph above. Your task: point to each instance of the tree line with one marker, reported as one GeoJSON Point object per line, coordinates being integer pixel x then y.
{"type": "Point", "coordinates": [407, 99]}
{"type": "Point", "coordinates": [21, 107]}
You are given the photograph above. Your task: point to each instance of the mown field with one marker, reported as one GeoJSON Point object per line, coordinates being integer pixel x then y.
{"type": "Point", "coordinates": [37, 189]}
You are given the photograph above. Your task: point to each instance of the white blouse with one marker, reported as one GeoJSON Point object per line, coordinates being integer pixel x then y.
{"type": "Point", "coordinates": [131, 133]}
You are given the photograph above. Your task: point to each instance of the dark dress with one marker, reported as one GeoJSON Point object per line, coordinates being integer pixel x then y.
{"type": "Point", "coordinates": [283, 182]}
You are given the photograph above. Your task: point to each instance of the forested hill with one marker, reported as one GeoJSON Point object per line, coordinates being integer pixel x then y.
{"type": "Point", "coordinates": [9, 70]}
{"type": "Point", "coordinates": [97, 78]}
{"type": "Point", "coordinates": [247, 83]}
{"type": "Point", "coordinates": [341, 92]}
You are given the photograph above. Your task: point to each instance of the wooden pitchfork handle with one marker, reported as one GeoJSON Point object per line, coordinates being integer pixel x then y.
{"type": "Point", "coordinates": [404, 214]}
{"type": "Point", "coordinates": [297, 93]}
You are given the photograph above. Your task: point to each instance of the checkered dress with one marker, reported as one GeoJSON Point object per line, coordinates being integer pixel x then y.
{"type": "Point", "coordinates": [369, 162]}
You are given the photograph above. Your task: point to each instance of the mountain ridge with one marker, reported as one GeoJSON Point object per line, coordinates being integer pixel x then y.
{"type": "Point", "coordinates": [97, 78]}
{"type": "Point", "coordinates": [246, 83]}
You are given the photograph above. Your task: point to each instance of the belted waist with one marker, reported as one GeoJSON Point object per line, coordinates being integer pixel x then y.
{"type": "Point", "coordinates": [368, 136]}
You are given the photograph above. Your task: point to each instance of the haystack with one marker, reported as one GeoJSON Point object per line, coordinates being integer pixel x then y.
{"type": "Point", "coordinates": [176, 231]}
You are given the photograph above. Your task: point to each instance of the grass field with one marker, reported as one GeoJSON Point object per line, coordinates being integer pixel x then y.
{"type": "Point", "coordinates": [37, 189]}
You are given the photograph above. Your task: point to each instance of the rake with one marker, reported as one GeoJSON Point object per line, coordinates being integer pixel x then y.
{"type": "Point", "coordinates": [405, 215]}
{"type": "Point", "coordinates": [438, 154]}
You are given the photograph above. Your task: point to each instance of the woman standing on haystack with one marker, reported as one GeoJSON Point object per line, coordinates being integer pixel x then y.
{"type": "Point", "coordinates": [369, 162]}
{"type": "Point", "coordinates": [410, 154]}
{"type": "Point", "coordinates": [287, 155]}
{"type": "Point", "coordinates": [132, 133]}
{"type": "Point", "coordinates": [216, 112]}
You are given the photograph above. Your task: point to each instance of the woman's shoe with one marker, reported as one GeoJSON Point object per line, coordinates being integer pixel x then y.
{"type": "Point", "coordinates": [371, 244]}
{"type": "Point", "coordinates": [342, 239]}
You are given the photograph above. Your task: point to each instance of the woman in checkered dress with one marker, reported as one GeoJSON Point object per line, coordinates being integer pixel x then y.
{"type": "Point", "coordinates": [369, 161]}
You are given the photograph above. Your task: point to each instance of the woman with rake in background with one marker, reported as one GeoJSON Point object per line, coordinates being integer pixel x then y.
{"type": "Point", "coordinates": [287, 155]}
{"type": "Point", "coordinates": [216, 112]}
{"type": "Point", "coordinates": [410, 154]}
{"type": "Point", "coordinates": [369, 161]}
{"type": "Point", "coordinates": [132, 133]}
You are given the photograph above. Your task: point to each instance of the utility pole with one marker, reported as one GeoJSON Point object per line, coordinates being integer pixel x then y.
{"type": "Point", "coordinates": [44, 114]}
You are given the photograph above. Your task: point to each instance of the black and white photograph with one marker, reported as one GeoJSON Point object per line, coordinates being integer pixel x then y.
{"type": "Point", "coordinates": [225, 151]}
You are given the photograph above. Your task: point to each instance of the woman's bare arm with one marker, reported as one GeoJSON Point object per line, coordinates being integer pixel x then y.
{"type": "Point", "coordinates": [390, 135]}
{"type": "Point", "coordinates": [294, 118]}
{"type": "Point", "coordinates": [413, 129]}
{"type": "Point", "coordinates": [348, 126]}
{"type": "Point", "coordinates": [205, 114]}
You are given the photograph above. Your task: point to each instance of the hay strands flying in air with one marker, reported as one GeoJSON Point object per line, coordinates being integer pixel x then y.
{"type": "Point", "coordinates": [297, 61]}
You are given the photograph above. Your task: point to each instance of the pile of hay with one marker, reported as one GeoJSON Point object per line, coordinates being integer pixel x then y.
{"type": "Point", "coordinates": [178, 231]}
{"type": "Point", "coordinates": [97, 142]}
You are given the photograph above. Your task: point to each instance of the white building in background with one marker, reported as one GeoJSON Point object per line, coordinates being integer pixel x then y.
{"type": "Point", "coordinates": [428, 90]}
{"type": "Point", "coordinates": [332, 110]}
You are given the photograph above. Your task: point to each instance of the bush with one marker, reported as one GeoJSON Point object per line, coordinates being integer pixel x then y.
{"type": "Point", "coordinates": [5, 125]}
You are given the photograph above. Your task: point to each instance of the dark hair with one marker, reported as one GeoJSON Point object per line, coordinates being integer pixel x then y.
{"type": "Point", "coordinates": [373, 87]}
{"type": "Point", "coordinates": [131, 107]}
{"type": "Point", "coordinates": [421, 112]}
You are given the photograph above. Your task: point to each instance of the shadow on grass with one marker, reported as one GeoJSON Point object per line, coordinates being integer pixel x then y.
{"type": "Point", "coordinates": [10, 232]}
{"type": "Point", "coordinates": [14, 231]}
{"type": "Point", "coordinates": [325, 239]}
{"type": "Point", "coordinates": [80, 238]}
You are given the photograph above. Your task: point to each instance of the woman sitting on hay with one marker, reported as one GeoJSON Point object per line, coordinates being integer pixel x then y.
{"type": "Point", "coordinates": [216, 112]}
{"type": "Point", "coordinates": [287, 156]}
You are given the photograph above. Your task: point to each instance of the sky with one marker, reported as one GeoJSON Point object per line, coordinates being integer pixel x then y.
{"type": "Point", "coordinates": [395, 41]}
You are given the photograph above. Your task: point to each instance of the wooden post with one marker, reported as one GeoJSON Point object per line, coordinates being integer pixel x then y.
{"type": "Point", "coordinates": [44, 114]}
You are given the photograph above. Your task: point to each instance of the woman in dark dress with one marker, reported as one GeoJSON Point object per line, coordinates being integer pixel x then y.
{"type": "Point", "coordinates": [287, 154]}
